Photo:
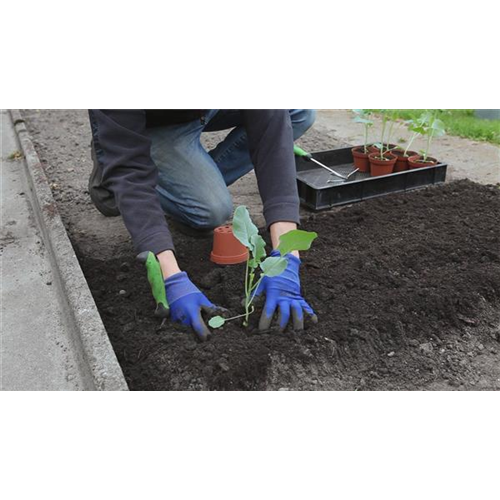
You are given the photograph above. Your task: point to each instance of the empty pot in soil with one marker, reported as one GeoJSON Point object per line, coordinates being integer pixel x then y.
{"type": "Point", "coordinates": [226, 248]}
{"type": "Point", "coordinates": [402, 160]}
{"type": "Point", "coordinates": [360, 158]}
{"type": "Point", "coordinates": [417, 161]}
{"type": "Point", "coordinates": [381, 166]}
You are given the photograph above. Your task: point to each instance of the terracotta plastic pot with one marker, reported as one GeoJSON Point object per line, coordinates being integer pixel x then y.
{"type": "Point", "coordinates": [416, 162]}
{"type": "Point", "coordinates": [380, 166]}
{"type": "Point", "coordinates": [226, 248]}
{"type": "Point", "coordinates": [402, 161]}
{"type": "Point", "coordinates": [361, 159]}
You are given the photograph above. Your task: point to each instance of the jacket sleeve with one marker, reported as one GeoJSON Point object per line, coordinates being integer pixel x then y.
{"type": "Point", "coordinates": [270, 140]}
{"type": "Point", "coordinates": [129, 172]}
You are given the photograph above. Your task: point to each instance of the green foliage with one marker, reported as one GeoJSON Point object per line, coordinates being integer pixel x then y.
{"type": "Point", "coordinates": [243, 227]}
{"type": "Point", "coordinates": [424, 124]}
{"type": "Point", "coordinates": [458, 122]}
{"type": "Point", "coordinates": [216, 321]}
{"type": "Point", "coordinates": [273, 266]}
{"type": "Point", "coordinates": [259, 250]}
{"type": "Point", "coordinates": [296, 240]}
{"type": "Point", "coordinates": [417, 127]}
{"type": "Point", "coordinates": [363, 116]}
{"type": "Point", "coordinates": [431, 127]}
{"type": "Point", "coordinates": [388, 118]}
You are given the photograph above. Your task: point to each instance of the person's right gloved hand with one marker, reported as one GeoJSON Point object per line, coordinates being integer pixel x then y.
{"type": "Point", "coordinates": [187, 303]}
{"type": "Point", "coordinates": [283, 295]}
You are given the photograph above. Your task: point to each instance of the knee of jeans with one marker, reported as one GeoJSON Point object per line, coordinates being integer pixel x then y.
{"type": "Point", "coordinates": [302, 120]}
{"type": "Point", "coordinates": [215, 212]}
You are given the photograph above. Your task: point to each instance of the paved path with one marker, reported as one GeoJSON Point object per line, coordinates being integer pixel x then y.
{"type": "Point", "coordinates": [35, 350]}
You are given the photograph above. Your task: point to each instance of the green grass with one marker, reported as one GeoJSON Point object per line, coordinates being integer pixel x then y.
{"type": "Point", "coordinates": [461, 122]}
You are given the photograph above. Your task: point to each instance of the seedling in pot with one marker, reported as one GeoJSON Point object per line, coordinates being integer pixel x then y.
{"type": "Point", "coordinates": [417, 128]}
{"type": "Point", "coordinates": [382, 162]}
{"type": "Point", "coordinates": [432, 127]}
{"type": "Point", "coordinates": [363, 116]}
{"type": "Point", "coordinates": [258, 265]}
{"type": "Point", "coordinates": [360, 153]}
{"type": "Point", "coordinates": [388, 122]}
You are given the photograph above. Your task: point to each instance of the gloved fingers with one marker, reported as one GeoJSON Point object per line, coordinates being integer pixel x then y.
{"type": "Point", "coordinates": [207, 311]}
{"type": "Point", "coordinates": [204, 302]}
{"type": "Point", "coordinates": [200, 327]}
{"type": "Point", "coordinates": [284, 314]}
{"type": "Point", "coordinates": [180, 316]}
{"type": "Point", "coordinates": [212, 310]}
{"type": "Point", "coordinates": [310, 313]}
{"type": "Point", "coordinates": [297, 315]}
{"type": "Point", "coordinates": [267, 314]}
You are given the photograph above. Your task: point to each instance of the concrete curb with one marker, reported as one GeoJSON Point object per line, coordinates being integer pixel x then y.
{"type": "Point", "coordinates": [91, 336]}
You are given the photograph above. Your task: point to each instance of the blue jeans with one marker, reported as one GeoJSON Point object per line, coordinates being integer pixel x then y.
{"type": "Point", "coordinates": [192, 183]}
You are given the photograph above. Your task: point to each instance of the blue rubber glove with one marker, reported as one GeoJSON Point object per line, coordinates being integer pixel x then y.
{"type": "Point", "coordinates": [187, 303]}
{"type": "Point", "coordinates": [283, 293]}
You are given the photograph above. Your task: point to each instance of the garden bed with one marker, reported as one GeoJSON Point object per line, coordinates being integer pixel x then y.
{"type": "Point", "coordinates": [406, 288]}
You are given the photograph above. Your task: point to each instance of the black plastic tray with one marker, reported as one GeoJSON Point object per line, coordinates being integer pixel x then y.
{"type": "Point", "coordinates": [316, 193]}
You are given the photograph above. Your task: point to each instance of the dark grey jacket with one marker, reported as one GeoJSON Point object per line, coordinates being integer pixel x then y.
{"type": "Point", "coordinates": [129, 172]}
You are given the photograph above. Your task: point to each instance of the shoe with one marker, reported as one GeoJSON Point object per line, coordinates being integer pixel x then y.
{"type": "Point", "coordinates": [103, 198]}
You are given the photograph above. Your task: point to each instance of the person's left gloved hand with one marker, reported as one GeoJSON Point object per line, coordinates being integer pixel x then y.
{"type": "Point", "coordinates": [187, 303]}
{"type": "Point", "coordinates": [283, 293]}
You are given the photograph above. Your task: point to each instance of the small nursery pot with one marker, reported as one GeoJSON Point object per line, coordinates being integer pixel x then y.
{"type": "Point", "coordinates": [226, 248]}
{"type": "Point", "coordinates": [417, 162]}
{"type": "Point", "coordinates": [380, 167]}
{"type": "Point", "coordinates": [402, 161]}
{"type": "Point", "coordinates": [361, 161]}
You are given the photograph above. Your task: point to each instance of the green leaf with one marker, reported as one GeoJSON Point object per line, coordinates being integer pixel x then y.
{"type": "Point", "coordinates": [392, 114]}
{"type": "Point", "coordinates": [216, 321]}
{"type": "Point", "coordinates": [363, 116]}
{"type": "Point", "coordinates": [259, 248]}
{"type": "Point", "coordinates": [364, 121]}
{"type": "Point", "coordinates": [438, 127]}
{"type": "Point", "coordinates": [417, 128]}
{"type": "Point", "coordinates": [273, 266]}
{"type": "Point", "coordinates": [243, 227]}
{"type": "Point", "coordinates": [252, 264]}
{"type": "Point", "coordinates": [296, 240]}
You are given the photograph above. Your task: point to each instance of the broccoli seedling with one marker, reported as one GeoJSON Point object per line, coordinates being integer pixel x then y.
{"type": "Point", "coordinates": [258, 266]}
{"type": "Point", "coordinates": [388, 118]}
{"type": "Point", "coordinates": [433, 127]}
{"type": "Point", "coordinates": [363, 116]}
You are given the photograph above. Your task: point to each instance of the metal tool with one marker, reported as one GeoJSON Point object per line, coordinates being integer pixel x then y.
{"type": "Point", "coordinates": [308, 156]}
{"type": "Point", "coordinates": [346, 178]}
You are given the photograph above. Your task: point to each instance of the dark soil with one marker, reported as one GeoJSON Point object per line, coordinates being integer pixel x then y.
{"type": "Point", "coordinates": [406, 288]}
